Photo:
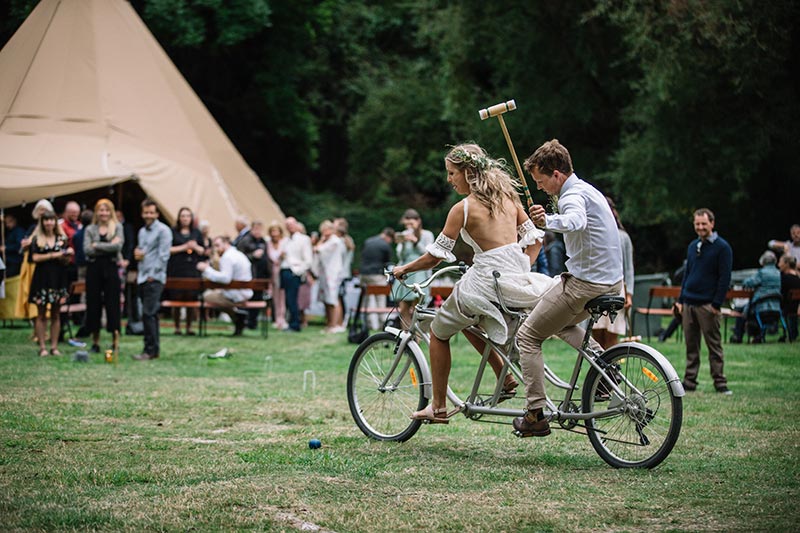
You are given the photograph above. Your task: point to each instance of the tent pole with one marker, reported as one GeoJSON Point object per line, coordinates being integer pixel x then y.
{"type": "Point", "coordinates": [3, 231]}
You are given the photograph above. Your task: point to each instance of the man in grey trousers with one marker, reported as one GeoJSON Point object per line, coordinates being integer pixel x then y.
{"type": "Point", "coordinates": [152, 252]}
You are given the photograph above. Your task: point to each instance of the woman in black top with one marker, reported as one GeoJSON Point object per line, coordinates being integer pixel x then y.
{"type": "Point", "coordinates": [50, 283]}
{"type": "Point", "coordinates": [185, 252]}
{"type": "Point", "coordinates": [102, 243]}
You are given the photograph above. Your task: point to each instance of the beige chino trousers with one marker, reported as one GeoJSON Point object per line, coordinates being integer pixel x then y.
{"type": "Point", "coordinates": [557, 313]}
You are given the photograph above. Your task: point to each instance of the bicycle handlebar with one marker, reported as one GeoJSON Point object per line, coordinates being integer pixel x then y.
{"type": "Point", "coordinates": [419, 287]}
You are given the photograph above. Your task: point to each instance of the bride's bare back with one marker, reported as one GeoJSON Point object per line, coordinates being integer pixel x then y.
{"type": "Point", "coordinates": [487, 231]}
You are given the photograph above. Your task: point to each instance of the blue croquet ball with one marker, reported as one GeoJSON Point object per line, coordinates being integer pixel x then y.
{"type": "Point", "coordinates": [314, 444]}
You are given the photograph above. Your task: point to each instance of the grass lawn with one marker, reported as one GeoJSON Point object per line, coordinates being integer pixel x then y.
{"type": "Point", "coordinates": [185, 442]}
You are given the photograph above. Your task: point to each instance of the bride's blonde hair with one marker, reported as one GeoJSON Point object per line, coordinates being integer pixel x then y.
{"type": "Point", "coordinates": [488, 179]}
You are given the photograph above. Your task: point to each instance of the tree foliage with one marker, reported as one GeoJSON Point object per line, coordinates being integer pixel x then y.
{"type": "Point", "coordinates": [346, 107]}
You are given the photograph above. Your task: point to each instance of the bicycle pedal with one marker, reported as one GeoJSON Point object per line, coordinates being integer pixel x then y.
{"type": "Point", "coordinates": [522, 435]}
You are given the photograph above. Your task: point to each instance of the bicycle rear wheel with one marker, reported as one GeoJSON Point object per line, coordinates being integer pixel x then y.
{"type": "Point", "coordinates": [645, 432]}
{"type": "Point", "coordinates": [381, 403]}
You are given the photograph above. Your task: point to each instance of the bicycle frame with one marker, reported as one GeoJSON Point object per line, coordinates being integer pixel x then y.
{"type": "Point", "coordinates": [474, 409]}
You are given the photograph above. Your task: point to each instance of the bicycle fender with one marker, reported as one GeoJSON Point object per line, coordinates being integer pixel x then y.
{"type": "Point", "coordinates": [672, 377]}
{"type": "Point", "coordinates": [407, 341]}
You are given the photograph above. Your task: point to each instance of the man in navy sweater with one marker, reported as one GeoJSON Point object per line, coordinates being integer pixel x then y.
{"type": "Point", "coordinates": [708, 274]}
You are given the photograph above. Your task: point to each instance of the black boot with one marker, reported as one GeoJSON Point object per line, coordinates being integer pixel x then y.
{"type": "Point", "coordinates": [239, 323]}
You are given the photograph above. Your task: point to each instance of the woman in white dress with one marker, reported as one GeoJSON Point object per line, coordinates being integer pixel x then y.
{"type": "Point", "coordinates": [493, 222]}
{"type": "Point", "coordinates": [330, 252]}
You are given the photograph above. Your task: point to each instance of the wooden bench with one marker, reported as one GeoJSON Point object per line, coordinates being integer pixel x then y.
{"type": "Point", "coordinates": [375, 290]}
{"type": "Point", "coordinates": [728, 312]}
{"type": "Point", "coordinates": [669, 292]}
{"type": "Point", "coordinates": [673, 292]}
{"type": "Point", "coordinates": [200, 285]}
{"type": "Point", "coordinates": [183, 284]}
{"type": "Point", "coordinates": [76, 289]}
{"type": "Point", "coordinates": [259, 284]}
{"type": "Point", "coordinates": [386, 290]}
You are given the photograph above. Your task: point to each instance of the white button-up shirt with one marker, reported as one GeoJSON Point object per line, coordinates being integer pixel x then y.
{"type": "Point", "coordinates": [590, 233]}
{"type": "Point", "coordinates": [233, 266]}
{"type": "Point", "coordinates": [298, 252]}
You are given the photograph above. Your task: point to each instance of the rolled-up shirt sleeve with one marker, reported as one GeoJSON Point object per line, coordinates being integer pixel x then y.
{"type": "Point", "coordinates": [571, 216]}
{"type": "Point", "coordinates": [224, 275]}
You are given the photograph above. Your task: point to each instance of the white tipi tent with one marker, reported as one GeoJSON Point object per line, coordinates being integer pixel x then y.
{"type": "Point", "coordinates": [88, 99]}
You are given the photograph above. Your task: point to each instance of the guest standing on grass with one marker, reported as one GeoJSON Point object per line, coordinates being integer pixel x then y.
{"type": "Point", "coordinates": [49, 286]}
{"type": "Point", "coordinates": [296, 262]}
{"type": "Point", "coordinates": [709, 259]}
{"type": "Point", "coordinates": [12, 246]}
{"type": "Point", "coordinates": [152, 253]}
{"type": "Point", "coordinates": [329, 256]}
{"type": "Point", "coordinates": [23, 308]}
{"type": "Point", "coordinates": [185, 252]}
{"type": "Point", "coordinates": [275, 245]}
{"type": "Point", "coordinates": [70, 223]}
{"type": "Point", "coordinates": [254, 247]}
{"type": "Point", "coordinates": [376, 254]}
{"type": "Point", "coordinates": [102, 245]}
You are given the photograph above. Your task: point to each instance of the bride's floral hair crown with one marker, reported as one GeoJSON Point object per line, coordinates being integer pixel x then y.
{"type": "Point", "coordinates": [460, 156]}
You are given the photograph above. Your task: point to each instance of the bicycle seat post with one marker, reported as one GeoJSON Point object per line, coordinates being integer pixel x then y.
{"type": "Point", "coordinates": [588, 333]}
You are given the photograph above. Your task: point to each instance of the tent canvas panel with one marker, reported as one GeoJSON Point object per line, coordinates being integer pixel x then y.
{"type": "Point", "coordinates": [90, 99]}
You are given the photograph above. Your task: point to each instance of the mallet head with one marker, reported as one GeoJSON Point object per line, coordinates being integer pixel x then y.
{"type": "Point", "coordinates": [499, 109]}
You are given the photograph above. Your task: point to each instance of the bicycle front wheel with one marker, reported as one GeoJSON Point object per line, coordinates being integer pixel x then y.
{"type": "Point", "coordinates": [384, 388]}
{"type": "Point", "coordinates": [645, 432]}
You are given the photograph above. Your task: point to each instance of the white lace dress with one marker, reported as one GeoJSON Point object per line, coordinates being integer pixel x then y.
{"type": "Point", "coordinates": [476, 292]}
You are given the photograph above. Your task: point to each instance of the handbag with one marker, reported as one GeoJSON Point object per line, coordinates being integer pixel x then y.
{"type": "Point", "coordinates": [357, 329]}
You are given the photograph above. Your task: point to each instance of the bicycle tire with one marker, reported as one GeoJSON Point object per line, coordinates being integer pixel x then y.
{"type": "Point", "coordinates": [645, 433]}
{"type": "Point", "coordinates": [384, 414]}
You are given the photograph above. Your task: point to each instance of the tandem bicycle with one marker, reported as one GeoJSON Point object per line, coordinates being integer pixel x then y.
{"type": "Point", "coordinates": [629, 403]}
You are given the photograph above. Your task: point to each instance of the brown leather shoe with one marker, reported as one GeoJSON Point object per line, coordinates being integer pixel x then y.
{"type": "Point", "coordinates": [533, 424]}
{"type": "Point", "coordinates": [144, 357]}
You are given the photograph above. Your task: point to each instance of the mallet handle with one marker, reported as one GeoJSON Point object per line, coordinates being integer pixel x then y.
{"type": "Point", "coordinates": [497, 110]}
{"type": "Point", "coordinates": [516, 161]}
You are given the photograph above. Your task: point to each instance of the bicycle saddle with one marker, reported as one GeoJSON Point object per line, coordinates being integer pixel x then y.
{"type": "Point", "coordinates": [605, 304]}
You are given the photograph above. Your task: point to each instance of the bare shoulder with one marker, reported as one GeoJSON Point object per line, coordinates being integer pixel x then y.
{"type": "Point", "coordinates": [455, 218]}
{"type": "Point", "coordinates": [458, 207]}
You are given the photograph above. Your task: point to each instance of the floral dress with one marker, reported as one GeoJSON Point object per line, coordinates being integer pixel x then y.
{"type": "Point", "coordinates": [50, 280]}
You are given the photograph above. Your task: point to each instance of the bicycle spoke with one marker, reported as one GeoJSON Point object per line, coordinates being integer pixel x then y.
{"type": "Point", "coordinates": [645, 432]}
{"type": "Point", "coordinates": [381, 403]}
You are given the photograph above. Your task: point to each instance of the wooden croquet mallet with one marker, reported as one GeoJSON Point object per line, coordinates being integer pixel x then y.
{"type": "Point", "coordinates": [498, 111]}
